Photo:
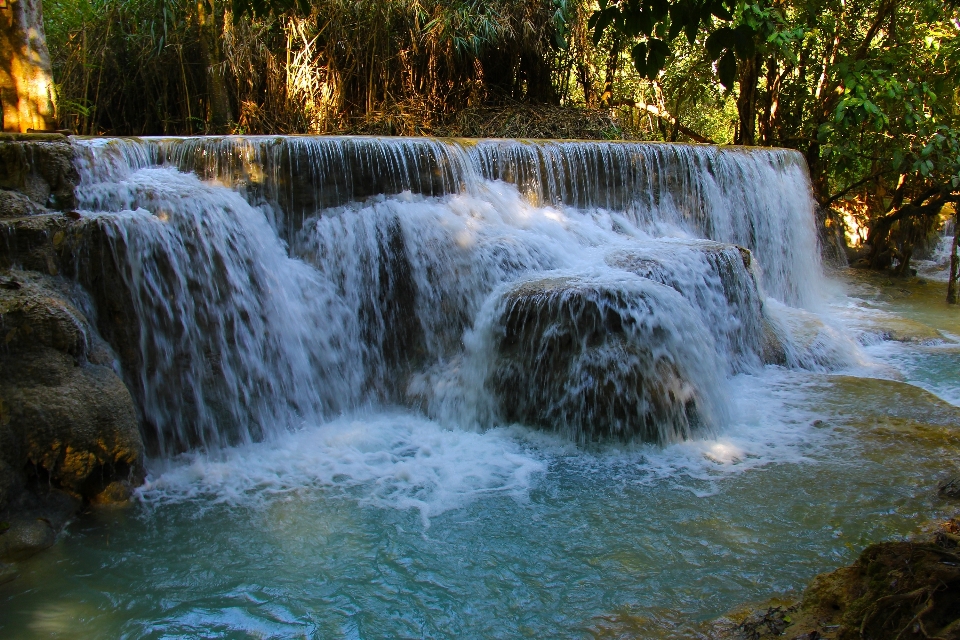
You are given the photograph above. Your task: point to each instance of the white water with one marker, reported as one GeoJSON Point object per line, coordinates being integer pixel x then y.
{"type": "Point", "coordinates": [256, 320]}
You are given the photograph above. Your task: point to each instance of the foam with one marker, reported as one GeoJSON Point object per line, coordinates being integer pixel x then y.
{"type": "Point", "coordinates": [407, 462]}
{"type": "Point", "coordinates": [395, 460]}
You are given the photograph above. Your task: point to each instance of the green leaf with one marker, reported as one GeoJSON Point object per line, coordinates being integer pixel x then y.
{"type": "Point", "coordinates": [658, 50]}
{"type": "Point", "coordinates": [691, 28]}
{"type": "Point", "coordinates": [720, 11]}
{"type": "Point", "coordinates": [727, 69]}
{"type": "Point", "coordinates": [606, 17]}
{"type": "Point", "coordinates": [718, 41]}
{"type": "Point", "coordinates": [639, 55]}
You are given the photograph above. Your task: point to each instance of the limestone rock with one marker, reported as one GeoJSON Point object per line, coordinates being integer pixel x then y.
{"type": "Point", "coordinates": [724, 288]}
{"type": "Point", "coordinates": [64, 413]}
{"type": "Point", "coordinates": [14, 204]}
{"type": "Point", "coordinates": [11, 482]}
{"type": "Point", "coordinates": [26, 537]}
{"type": "Point", "coordinates": [8, 572]}
{"type": "Point", "coordinates": [596, 361]}
{"type": "Point", "coordinates": [55, 244]}
{"type": "Point", "coordinates": [39, 167]}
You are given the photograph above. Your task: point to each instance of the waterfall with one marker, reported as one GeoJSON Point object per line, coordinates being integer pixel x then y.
{"type": "Point", "coordinates": [598, 289]}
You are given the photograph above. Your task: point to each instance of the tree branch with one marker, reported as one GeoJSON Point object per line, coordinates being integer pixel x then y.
{"type": "Point", "coordinates": [829, 201]}
{"type": "Point", "coordinates": [667, 117]}
{"type": "Point", "coordinates": [886, 7]}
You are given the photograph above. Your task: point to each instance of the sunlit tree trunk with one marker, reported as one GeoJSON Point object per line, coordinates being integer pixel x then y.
{"type": "Point", "coordinates": [26, 81]}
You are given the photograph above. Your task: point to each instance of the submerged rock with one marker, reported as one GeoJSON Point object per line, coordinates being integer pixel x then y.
{"type": "Point", "coordinates": [24, 538]}
{"type": "Point", "coordinates": [949, 487]}
{"type": "Point", "coordinates": [599, 360]}
{"type": "Point", "coordinates": [8, 572]}
{"type": "Point", "coordinates": [66, 418]}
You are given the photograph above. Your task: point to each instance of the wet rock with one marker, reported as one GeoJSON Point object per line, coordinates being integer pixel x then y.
{"type": "Point", "coordinates": [66, 418]}
{"type": "Point", "coordinates": [25, 538]}
{"type": "Point", "coordinates": [949, 487]}
{"type": "Point", "coordinates": [78, 248]}
{"type": "Point", "coordinates": [771, 622]}
{"type": "Point", "coordinates": [723, 288]}
{"type": "Point", "coordinates": [14, 204]}
{"type": "Point", "coordinates": [900, 330]}
{"type": "Point", "coordinates": [8, 572]}
{"type": "Point", "coordinates": [11, 481]}
{"type": "Point", "coordinates": [40, 168]}
{"type": "Point", "coordinates": [773, 347]}
{"type": "Point", "coordinates": [36, 243]}
{"type": "Point", "coordinates": [894, 590]}
{"type": "Point", "coordinates": [117, 492]}
{"type": "Point", "coordinates": [596, 361]}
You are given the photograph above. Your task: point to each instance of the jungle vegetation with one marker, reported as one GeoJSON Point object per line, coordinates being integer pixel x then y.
{"type": "Point", "coordinates": [867, 90]}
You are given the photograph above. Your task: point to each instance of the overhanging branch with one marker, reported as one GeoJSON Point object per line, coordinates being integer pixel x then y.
{"type": "Point", "coordinates": [667, 117]}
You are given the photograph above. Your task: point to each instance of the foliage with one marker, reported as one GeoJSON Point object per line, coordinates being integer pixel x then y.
{"type": "Point", "coordinates": [867, 90]}
{"type": "Point", "coordinates": [137, 66]}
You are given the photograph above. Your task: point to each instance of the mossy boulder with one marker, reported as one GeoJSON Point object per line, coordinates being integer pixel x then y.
{"type": "Point", "coordinates": [78, 247]}
{"type": "Point", "coordinates": [66, 417]}
{"type": "Point", "coordinates": [906, 589]}
{"type": "Point", "coordinates": [597, 360]}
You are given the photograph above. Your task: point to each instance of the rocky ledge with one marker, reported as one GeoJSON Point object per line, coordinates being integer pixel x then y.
{"type": "Point", "coordinates": [69, 432]}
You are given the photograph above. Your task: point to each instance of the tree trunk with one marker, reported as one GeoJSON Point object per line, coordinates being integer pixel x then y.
{"type": "Point", "coordinates": [26, 80]}
{"type": "Point", "coordinates": [771, 104]}
{"type": "Point", "coordinates": [610, 72]}
{"type": "Point", "coordinates": [954, 261]}
{"type": "Point", "coordinates": [218, 100]}
{"type": "Point", "coordinates": [747, 101]}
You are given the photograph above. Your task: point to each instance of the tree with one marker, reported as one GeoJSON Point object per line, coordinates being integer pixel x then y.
{"type": "Point", "coordinates": [26, 80]}
{"type": "Point", "coordinates": [219, 114]}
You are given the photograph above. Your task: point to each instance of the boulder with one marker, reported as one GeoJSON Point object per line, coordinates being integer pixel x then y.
{"type": "Point", "coordinates": [14, 204]}
{"type": "Point", "coordinates": [39, 167]}
{"type": "Point", "coordinates": [598, 360]}
{"type": "Point", "coordinates": [715, 278]}
{"type": "Point", "coordinates": [8, 572]}
{"type": "Point", "coordinates": [66, 418]}
{"type": "Point", "coordinates": [25, 537]}
{"type": "Point", "coordinates": [78, 247]}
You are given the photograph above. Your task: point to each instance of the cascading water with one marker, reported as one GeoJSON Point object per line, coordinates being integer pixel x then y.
{"type": "Point", "coordinates": [372, 371]}
{"type": "Point", "coordinates": [357, 271]}
{"type": "Point", "coordinates": [235, 336]}
{"type": "Point", "coordinates": [372, 272]}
